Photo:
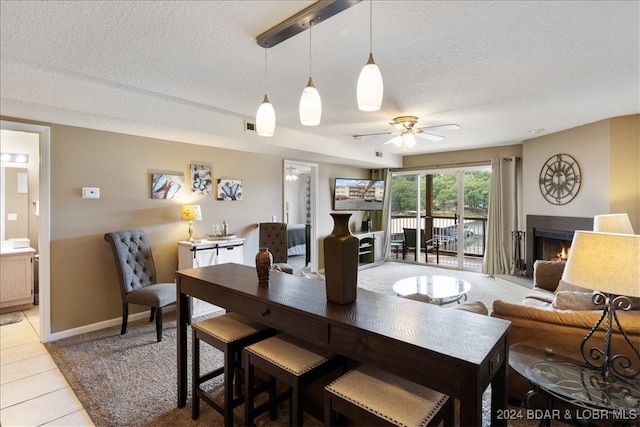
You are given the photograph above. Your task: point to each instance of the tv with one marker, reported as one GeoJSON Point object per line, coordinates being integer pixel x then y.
{"type": "Point", "coordinates": [358, 194]}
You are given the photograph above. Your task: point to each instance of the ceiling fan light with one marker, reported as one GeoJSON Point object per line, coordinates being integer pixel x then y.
{"type": "Point", "coordinates": [370, 87]}
{"type": "Point", "coordinates": [409, 140]}
{"type": "Point", "coordinates": [265, 118]}
{"type": "Point", "coordinates": [310, 105]}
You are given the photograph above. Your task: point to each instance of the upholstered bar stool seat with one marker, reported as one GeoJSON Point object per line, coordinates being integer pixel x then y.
{"type": "Point", "coordinates": [228, 333]}
{"type": "Point", "coordinates": [291, 361]}
{"type": "Point", "coordinates": [369, 396]}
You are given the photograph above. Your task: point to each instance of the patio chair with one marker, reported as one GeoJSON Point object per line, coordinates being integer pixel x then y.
{"type": "Point", "coordinates": [426, 246]}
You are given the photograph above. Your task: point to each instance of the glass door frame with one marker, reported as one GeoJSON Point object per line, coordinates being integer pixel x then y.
{"type": "Point", "coordinates": [459, 173]}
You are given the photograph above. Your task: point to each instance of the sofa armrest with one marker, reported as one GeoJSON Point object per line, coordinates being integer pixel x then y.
{"type": "Point", "coordinates": [547, 274]}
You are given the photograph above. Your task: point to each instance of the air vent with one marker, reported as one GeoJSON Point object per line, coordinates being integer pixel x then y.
{"type": "Point", "coordinates": [378, 153]}
{"type": "Point", "coordinates": [249, 126]}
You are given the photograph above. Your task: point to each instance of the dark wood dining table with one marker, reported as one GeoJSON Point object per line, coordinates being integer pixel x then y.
{"type": "Point", "coordinates": [453, 351]}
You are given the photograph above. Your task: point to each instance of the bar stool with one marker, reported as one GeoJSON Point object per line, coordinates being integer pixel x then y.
{"type": "Point", "coordinates": [370, 396]}
{"type": "Point", "coordinates": [228, 333]}
{"type": "Point", "coordinates": [291, 361]}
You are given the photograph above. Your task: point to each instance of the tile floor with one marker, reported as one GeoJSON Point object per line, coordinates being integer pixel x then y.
{"type": "Point", "coordinates": [33, 392]}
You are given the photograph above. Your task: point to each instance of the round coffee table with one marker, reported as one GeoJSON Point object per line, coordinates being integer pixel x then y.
{"type": "Point", "coordinates": [433, 289]}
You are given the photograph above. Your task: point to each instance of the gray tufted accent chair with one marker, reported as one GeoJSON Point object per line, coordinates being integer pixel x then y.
{"type": "Point", "coordinates": [137, 276]}
{"type": "Point", "coordinates": [273, 235]}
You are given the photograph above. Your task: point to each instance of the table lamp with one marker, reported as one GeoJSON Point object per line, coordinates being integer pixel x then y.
{"type": "Point", "coordinates": [613, 223]}
{"type": "Point", "coordinates": [191, 213]}
{"type": "Point", "coordinates": [609, 264]}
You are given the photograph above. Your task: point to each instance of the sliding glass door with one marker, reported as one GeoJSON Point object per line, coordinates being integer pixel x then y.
{"type": "Point", "coordinates": [440, 216]}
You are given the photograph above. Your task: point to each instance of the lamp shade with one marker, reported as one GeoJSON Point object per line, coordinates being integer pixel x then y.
{"type": "Point", "coordinates": [606, 262]}
{"type": "Point", "coordinates": [370, 87]}
{"type": "Point", "coordinates": [310, 105]}
{"type": "Point", "coordinates": [265, 118]}
{"type": "Point", "coordinates": [612, 223]}
{"type": "Point", "coordinates": [191, 213]}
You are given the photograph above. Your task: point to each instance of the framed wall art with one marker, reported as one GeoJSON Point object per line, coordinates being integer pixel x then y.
{"type": "Point", "coordinates": [201, 179]}
{"type": "Point", "coordinates": [165, 186]}
{"type": "Point", "coordinates": [229, 189]}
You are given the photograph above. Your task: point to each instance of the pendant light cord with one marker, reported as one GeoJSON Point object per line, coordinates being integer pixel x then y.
{"type": "Point", "coordinates": [310, 25]}
{"type": "Point", "coordinates": [370, 26]}
{"type": "Point", "coordinates": [265, 68]}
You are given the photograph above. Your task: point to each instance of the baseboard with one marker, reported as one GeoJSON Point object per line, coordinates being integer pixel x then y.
{"type": "Point", "coordinates": [105, 324]}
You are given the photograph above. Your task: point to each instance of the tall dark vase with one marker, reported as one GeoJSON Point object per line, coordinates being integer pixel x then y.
{"type": "Point", "coordinates": [341, 261]}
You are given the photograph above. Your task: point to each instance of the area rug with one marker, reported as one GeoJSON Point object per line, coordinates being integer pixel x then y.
{"type": "Point", "coordinates": [10, 318]}
{"type": "Point", "coordinates": [130, 380]}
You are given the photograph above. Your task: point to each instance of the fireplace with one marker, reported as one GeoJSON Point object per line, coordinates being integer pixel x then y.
{"type": "Point", "coordinates": [547, 236]}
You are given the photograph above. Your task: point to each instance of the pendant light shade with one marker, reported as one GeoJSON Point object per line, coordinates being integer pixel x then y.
{"type": "Point", "coordinates": [310, 105]}
{"type": "Point", "coordinates": [370, 86]}
{"type": "Point", "coordinates": [265, 118]}
{"type": "Point", "coordinates": [266, 115]}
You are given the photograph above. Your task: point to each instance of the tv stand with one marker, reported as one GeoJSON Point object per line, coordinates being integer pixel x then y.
{"type": "Point", "coordinates": [370, 250]}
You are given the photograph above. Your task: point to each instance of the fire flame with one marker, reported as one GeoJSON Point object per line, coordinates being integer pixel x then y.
{"type": "Point", "coordinates": [563, 255]}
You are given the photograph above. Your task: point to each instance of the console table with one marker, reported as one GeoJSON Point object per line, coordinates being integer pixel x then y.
{"type": "Point", "coordinates": [452, 351]}
{"type": "Point", "coordinates": [202, 253]}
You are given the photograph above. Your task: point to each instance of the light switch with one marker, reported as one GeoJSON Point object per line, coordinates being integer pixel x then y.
{"type": "Point", "coordinates": [12, 217]}
{"type": "Point", "coordinates": [90, 193]}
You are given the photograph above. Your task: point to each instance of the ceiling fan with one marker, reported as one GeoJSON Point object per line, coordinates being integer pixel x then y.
{"type": "Point", "coordinates": [405, 135]}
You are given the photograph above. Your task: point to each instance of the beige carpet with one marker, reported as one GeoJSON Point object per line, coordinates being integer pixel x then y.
{"type": "Point", "coordinates": [130, 380]}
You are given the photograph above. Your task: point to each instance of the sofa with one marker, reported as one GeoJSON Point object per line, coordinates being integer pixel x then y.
{"type": "Point", "coordinates": [558, 313]}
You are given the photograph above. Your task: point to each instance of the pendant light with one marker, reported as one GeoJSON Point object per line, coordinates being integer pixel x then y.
{"type": "Point", "coordinates": [266, 115]}
{"type": "Point", "coordinates": [370, 86]}
{"type": "Point", "coordinates": [310, 104]}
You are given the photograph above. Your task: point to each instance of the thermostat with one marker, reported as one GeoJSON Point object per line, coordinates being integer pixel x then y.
{"type": "Point", "coordinates": [90, 193]}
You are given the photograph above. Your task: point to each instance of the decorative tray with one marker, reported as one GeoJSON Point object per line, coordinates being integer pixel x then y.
{"type": "Point", "coordinates": [227, 237]}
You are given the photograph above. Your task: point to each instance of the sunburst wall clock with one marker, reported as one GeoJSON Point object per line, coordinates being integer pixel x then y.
{"type": "Point", "coordinates": [560, 179]}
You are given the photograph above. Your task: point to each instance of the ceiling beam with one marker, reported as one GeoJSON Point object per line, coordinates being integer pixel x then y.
{"type": "Point", "coordinates": [317, 12]}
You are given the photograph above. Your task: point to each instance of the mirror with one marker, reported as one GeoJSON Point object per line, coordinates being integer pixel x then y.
{"type": "Point", "coordinates": [15, 203]}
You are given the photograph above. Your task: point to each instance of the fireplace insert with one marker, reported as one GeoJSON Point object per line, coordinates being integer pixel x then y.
{"type": "Point", "coordinates": [547, 236]}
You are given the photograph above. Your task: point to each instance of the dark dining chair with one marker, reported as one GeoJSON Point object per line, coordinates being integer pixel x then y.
{"type": "Point", "coordinates": [137, 276]}
{"type": "Point", "coordinates": [426, 246]}
{"type": "Point", "coordinates": [273, 235]}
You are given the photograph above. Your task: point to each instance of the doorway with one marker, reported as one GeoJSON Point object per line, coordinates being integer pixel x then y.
{"type": "Point", "coordinates": [299, 210]}
{"type": "Point", "coordinates": [448, 210]}
{"type": "Point", "coordinates": [40, 209]}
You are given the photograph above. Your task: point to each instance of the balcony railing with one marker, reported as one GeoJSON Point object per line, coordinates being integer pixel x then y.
{"type": "Point", "coordinates": [445, 229]}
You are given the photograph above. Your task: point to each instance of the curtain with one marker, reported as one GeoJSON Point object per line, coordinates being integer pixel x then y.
{"type": "Point", "coordinates": [380, 220]}
{"type": "Point", "coordinates": [505, 208]}
{"type": "Point", "coordinates": [307, 199]}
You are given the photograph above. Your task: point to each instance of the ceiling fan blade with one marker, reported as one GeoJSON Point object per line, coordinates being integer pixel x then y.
{"type": "Point", "coordinates": [429, 136]}
{"type": "Point", "coordinates": [451, 126]}
{"type": "Point", "coordinates": [371, 134]}
{"type": "Point", "coordinates": [394, 140]}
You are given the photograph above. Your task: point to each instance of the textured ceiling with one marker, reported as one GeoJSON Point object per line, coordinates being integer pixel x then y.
{"type": "Point", "coordinates": [192, 70]}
